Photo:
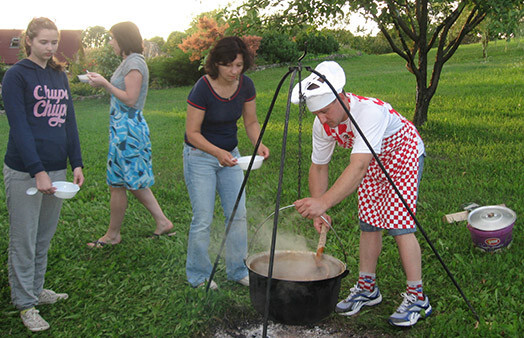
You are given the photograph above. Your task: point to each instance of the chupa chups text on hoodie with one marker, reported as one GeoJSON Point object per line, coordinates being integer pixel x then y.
{"type": "Point", "coordinates": [39, 108]}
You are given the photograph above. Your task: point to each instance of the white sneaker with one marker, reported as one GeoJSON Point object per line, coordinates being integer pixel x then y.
{"type": "Point", "coordinates": [244, 281]}
{"type": "Point", "coordinates": [212, 286]}
{"type": "Point", "coordinates": [33, 321]}
{"type": "Point", "coordinates": [50, 297]}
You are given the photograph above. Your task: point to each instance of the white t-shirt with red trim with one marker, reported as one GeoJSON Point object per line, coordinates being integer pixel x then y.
{"type": "Point", "coordinates": [376, 119]}
{"type": "Point", "coordinates": [398, 146]}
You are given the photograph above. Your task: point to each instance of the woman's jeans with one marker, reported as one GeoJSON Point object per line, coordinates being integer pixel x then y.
{"type": "Point", "coordinates": [32, 224]}
{"type": "Point", "coordinates": [204, 177]}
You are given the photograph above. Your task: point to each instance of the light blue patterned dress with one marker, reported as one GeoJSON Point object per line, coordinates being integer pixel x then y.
{"type": "Point", "coordinates": [129, 161]}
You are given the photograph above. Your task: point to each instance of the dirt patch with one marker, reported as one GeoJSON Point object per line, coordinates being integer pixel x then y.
{"type": "Point", "coordinates": [276, 330]}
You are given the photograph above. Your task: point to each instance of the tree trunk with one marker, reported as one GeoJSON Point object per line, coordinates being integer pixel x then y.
{"type": "Point", "coordinates": [421, 106]}
{"type": "Point", "coordinates": [485, 41]}
{"type": "Point", "coordinates": [423, 97]}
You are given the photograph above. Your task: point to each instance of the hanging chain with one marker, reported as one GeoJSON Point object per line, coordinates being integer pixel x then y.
{"type": "Point", "coordinates": [301, 110]}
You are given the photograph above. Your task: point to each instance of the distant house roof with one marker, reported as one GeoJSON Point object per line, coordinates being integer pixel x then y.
{"type": "Point", "coordinates": [10, 44]}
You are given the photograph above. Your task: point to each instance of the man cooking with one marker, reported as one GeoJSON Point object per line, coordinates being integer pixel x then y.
{"type": "Point", "coordinates": [400, 149]}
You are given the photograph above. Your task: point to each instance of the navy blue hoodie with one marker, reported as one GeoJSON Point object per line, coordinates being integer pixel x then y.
{"type": "Point", "coordinates": [39, 108]}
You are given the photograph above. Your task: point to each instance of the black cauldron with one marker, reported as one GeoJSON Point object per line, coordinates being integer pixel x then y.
{"type": "Point", "coordinates": [303, 291]}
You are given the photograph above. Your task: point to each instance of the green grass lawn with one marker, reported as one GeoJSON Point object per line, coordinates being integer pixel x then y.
{"type": "Point", "coordinates": [475, 146]}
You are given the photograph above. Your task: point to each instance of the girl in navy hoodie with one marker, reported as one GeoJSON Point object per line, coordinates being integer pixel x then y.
{"type": "Point", "coordinates": [43, 135]}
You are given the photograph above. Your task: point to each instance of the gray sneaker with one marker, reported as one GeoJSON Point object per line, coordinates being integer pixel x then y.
{"type": "Point", "coordinates": [357, 299]}
{"type": "Point", "coordinates": [33, 321]}
{"type": "Point", "coordinates": [410, 310]}
{"type": "Point", "coordinates": [50, 297]}
{"type": "Point", "coordinates": [244, 281]}
{"type": "Point", "coordinates": [212, 285]}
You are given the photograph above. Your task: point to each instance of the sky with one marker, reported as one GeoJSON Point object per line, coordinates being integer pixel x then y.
{"type": "Point", "coordinates": [153, 17]}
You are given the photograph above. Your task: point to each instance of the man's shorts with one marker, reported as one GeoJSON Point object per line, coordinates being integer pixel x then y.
{"type": "Point", "coordinates": [393, 232]}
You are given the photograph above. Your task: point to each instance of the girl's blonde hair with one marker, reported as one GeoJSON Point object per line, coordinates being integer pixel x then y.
{"type": "Point", "coordinates": [34, 27]}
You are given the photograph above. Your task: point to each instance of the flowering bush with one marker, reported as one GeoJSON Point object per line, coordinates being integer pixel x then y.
{"type": "Point", "coordinates": [199, 44]}
{"type": "Point", "coordinates": [252, 43]}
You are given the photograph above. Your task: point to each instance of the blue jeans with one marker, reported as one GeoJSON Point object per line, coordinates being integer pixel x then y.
{"type": "Point", "coordinates": [204, 177]}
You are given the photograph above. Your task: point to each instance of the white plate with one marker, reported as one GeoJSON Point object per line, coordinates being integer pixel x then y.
{"type": "Point", "coordinates": [65, 189]}
{"type": "Point", "coordinates": [83, 78]}
{"type": "Point", "coordinates": [243, 162]}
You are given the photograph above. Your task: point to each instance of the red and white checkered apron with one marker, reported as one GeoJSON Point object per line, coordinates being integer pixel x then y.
{"type": "Point", "coordinates": [379, 204]}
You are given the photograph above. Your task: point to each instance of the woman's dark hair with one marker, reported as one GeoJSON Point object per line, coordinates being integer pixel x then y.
{"type": "Point", "coordinates": [33, 28]}
{"type": "Point", "coordinates": [128, 38]}
{"type": "Point", "coordinates": [224, 52]}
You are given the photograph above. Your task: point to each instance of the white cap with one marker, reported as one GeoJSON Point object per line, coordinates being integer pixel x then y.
{"type": "Point", "coordinates": [315, 91]}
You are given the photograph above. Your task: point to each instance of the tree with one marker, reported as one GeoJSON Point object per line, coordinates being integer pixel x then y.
{"type": "Point", "coordinates": [503, 25]}
{"type": "Point", "coordinates": [173, 40]}
{"type": "Point", "coordinates": [419, 26]}
{"type": "Point", "coordinates": [94, 37]}
{"type": "Point", "coordinates": [158, 40]}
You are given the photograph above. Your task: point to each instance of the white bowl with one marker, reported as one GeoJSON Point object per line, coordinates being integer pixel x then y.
{"type": "Point", "coordinates": [65, 189]}
{"type": "Point", "coordinates": [83, 78]}
{"type": "Point", "coordinates": [243, 162]}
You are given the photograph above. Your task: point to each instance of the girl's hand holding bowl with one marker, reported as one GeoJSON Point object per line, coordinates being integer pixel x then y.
{"type": "Point", "coordinates": [65, 190]}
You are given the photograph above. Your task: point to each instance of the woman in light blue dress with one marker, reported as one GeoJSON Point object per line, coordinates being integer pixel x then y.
{"type": "Point", "coordinates": [129, 163]}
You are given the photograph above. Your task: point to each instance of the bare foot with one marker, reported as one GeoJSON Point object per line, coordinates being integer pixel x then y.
{"type": "Point", "coordinates": [104, 240]}
{"type": "Point", "coordinates": [163, 228]}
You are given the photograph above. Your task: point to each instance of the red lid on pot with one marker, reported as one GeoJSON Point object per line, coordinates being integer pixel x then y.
{"type": "Point", "coordinates": [491, 218]}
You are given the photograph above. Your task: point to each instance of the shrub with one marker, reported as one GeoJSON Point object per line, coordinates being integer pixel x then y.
{"type": "Point", "coordinates": [199, 44]}
{"type": "Point", "coordinates": [84, 89]}
{"type": "Point", "coordinates": [101, 60]}
{"type": "Point", "coordinates": [3, 69]}
{"type": "Point", "coordinates": [173, 40]}
{"type": "Point", "coordinates": [372, 44]}
{"type": "Point", "coordinates": [278, 47]}
{"type": "Point", "coordinates": [344, 37]}
{"type": "Point", "coordinates": [104, 60]}
{"type": "Point", "coordinates": [367, 44]}
{"type": "Point", "coordinates": [317, 42]}
{"type": "Point", "coordinates": [80, 66]}
{"type": "Point", "coordinates": [252, 43]}
{"type": "Point", "coordinates": [176, 70]}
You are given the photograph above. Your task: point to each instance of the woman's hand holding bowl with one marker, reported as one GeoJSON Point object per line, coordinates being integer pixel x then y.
{"type": "Point", "coordinates": [226, 159]}
{"type": "Point", "coordinates": [96, 80]}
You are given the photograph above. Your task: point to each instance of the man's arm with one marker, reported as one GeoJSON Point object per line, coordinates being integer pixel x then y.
{"type": "Point", "coordinates": [345, 185]}
{"type": "Point", "coordinates": [349, 180]}
{"type": "Point", "coordinates": [318, 179]}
